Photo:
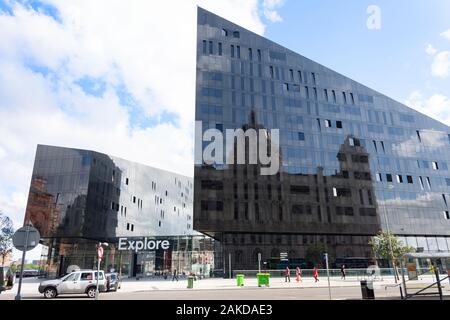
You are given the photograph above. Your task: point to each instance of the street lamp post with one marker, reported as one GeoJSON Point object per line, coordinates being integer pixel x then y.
{"type": "Point", "coordinates": [389, 237]}
{"type": "Point", "coordinates": [99, 259]}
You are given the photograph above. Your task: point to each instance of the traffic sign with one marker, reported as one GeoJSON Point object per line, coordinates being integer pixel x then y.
{"type": "Point", "coordinates": [100, 252]}
{"type": "Point", "coordinates": [26, 238]}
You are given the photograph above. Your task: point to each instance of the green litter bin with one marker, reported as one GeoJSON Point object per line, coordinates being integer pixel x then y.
{"type": "Point", "coordinates": [263, 279]}
{"type": "Point", "coordinates": [240, 280]}
{"type": "Point", "coordinates": [190, 282]}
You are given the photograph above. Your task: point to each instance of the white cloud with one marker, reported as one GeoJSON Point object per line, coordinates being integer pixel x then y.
{"type": "Point", "coordinates": [436, 106]}
{"type": "Point", "coordinates": [269, 10]}
{"type": "Point", "coordinates": [430, 50]}
{"type": "Point", "coordinates": [145, 47]}
{"type": "Point", "coordinates": [441, 65]}
{"type": "Point", "coordinates": [446, 34]}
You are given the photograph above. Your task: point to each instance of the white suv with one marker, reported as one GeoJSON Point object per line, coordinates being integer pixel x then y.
{"type": "Point", "coordinates": [83, 281]}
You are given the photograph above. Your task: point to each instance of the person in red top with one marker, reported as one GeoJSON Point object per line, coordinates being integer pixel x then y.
{"type": "Point", "coordinates": [298, 274]}
{"type": "Point", "coordinates": [316, 274]}
{"type": "Point", "coordinates": [287, 275]}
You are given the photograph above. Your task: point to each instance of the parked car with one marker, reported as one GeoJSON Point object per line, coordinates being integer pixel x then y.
{"type": "Point", "coordinates": [82, 281]}
{"type": "Point", "coordinates": [7, 279]}
{"type": "Point", "coordinates": [113, 281]}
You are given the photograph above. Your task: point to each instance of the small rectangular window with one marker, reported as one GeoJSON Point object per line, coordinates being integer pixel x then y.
{"type": "Point", "coordinates": [301, 136]}
{"type": "Point", "coordinates": [250, 54]}
{"type": "Point", "coordinates": [211, 49]}
{"type": "Point", "coordinates": [399, 178]}
{"type": "Point", "coordinates": [204, 46]}
{"type": "Point", "coordinates": [286, 86]}
{"type": "Point", "coordinates": [327, 123]}
{"type": "Point", "coordinates": [220, 48]}
{"type": "Point", "coordinates": [334, 96]}
{"type": "Point", "coordinates": [271, 72]}
{"type": "Point", "coordinates": [224, 32]}
{"type": "Point", "coordinates": [301, 80]}
{"type": "Point", "coordinates": [389, 177]}
{"type": "Point", "coordinates": [134, 199]}
{"type": "Point", "coordinates": [236, 34]}
{"type": "Point", "coordinates": [339, 124]}
{"type": "Point", "coordinates": [418, 136]}
{"type": "Point", "coordinates": [345, 97]}
{"type": "Point", "coordinates": [232, 51]}
{"type": "Point", "coordinates": [379, 177]}
{"type": "Point", "coordinates": [429, 183]}
{"type": "Point", "coordinates": [238, 54]}
{"type": "Point", "coordinates": [259, 55]}
{"type": "Point", "coordinates": [421, 183]}
{"type": "Point", "coordinates": [126, 181]}
{"type": "Point", "coordinates": [128, 226]}
{"type": "Point", "coordinates": [132, 227]}
{"type": "Point", "coordinates": [313, 77]}
{"type": "Point", "coordinates": [409, 179]}
{"type": "Point", "coordinates": [352, 98]}
{"type": "Point", "coordinates": [435, 165]}
{"type": "Point", "coordinates": [325, 92]}
{"type": "Point", "coordinates": [446, 215]}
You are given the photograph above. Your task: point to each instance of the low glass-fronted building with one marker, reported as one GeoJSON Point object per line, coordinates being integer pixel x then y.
{"type": "Point", "coordinates": [352, 160]}
{"type": "Point", "coordinates": [79, 197]}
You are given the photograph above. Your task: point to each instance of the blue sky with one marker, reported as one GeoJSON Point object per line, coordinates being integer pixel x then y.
{"type": "Point", "coordinates": [119, 78]}
{"type": "Point", "coordinates": [391, 60]}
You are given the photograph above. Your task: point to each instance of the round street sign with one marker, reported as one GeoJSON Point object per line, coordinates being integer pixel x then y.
{"type": "Point", "coordinates": [100, 252]}
{"type": "Point", "coordinates": [20, 238]}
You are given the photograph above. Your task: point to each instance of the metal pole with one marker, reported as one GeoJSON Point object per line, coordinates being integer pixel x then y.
{"type": "Point", "coordinates": [328, 275]}
{"type": "Point", "coordinates": [18, 297]}
{"type": "Point", "coordinates": [389, 240]}
{"type": "Point", "coordinates": [229, 265]}
{"type": "Point", "coordinates": [438, 281]}
{"type": "Point", "coordinates": [98, 274]}
{"type": "Point", "coordinates": [259, 262]}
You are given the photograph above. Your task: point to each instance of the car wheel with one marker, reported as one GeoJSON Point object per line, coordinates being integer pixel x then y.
{"type": "Point", "coordinates": [50, 293]}
{"type": "Point", "coordinates": [91, 292]}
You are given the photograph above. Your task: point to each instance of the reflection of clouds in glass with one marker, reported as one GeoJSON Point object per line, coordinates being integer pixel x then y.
{"type": "Point", "coordinates": [429, 138]}
{"type": "Point", "coordinates": [422, 200]}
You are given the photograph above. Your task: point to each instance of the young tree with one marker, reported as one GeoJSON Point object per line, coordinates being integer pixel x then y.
{"type": "Point", "coordinates": [387, 246]}
{"type": "Point", "coordinates": [6, 233]}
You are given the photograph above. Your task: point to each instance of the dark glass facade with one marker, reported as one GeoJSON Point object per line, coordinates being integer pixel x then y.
{"type": "Point", "coordinates": [79, 197]}
{"type": "Point", "coordinates": [352, 161]}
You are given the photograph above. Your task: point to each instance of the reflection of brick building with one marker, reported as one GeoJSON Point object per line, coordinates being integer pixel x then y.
{"type": "Point", "coordinates": [41, 208]}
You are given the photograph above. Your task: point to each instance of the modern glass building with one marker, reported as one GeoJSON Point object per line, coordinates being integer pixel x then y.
{"type": "Point", "coordinates": [353, 161]}
{"type": "Point", "coordinates": [79, 197]}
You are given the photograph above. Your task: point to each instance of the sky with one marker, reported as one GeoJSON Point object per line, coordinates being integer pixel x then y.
{"type": "Point", "coordinates": [119, 76]}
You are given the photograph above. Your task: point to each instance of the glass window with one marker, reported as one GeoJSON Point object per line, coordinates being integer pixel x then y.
{"type": "Point", "coordinates": [220, 48]}
{"type": "Point", "coordinates": [432, 244]}
{"type": "Point", "coordinates": [72, 277]}
{"type": "Point", "coordinates": [339, 124]}
{"type": "Point", "coordinates": [409, 179]}
{"type": "Point", "coordinates": [399, 178]}
{"type": "Point", "coordinates": [301, 136]}
{"type": "Point", "coordinates": [442, 244]}
{"type": "Point", "coordinates": [422, 243]}
{"type": "Point", "coordinates": [389, 177]}
{"type": "Point", "coordinates": [86, 276]}
{"type": "Point", "coordinates": [211, 49]}
{"type": "Point", "coordinates": [204, 46]}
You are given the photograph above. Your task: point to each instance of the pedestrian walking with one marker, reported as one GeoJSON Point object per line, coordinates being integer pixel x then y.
{"type": "Point", "coordinates": [287, 275]}
{"type": "Point", "coordinates": [175, 275]}
{"type": "Point", "coordinates": [298, 274]}
{"type": "Point", "coordinates": [343, 271]}
{"type": "Point", "coordinates": [316, 274]}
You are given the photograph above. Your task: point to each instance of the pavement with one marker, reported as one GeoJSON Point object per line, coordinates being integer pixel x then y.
{"type": "Point", "coordinates": [226, 289]}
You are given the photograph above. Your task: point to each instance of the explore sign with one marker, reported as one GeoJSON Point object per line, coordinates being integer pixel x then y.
{"type": "Point", "coordinates": [144, 244]}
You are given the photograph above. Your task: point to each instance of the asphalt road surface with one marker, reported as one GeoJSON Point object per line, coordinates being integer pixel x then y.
{"type": "Point", "coordinates": [340, 293]}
